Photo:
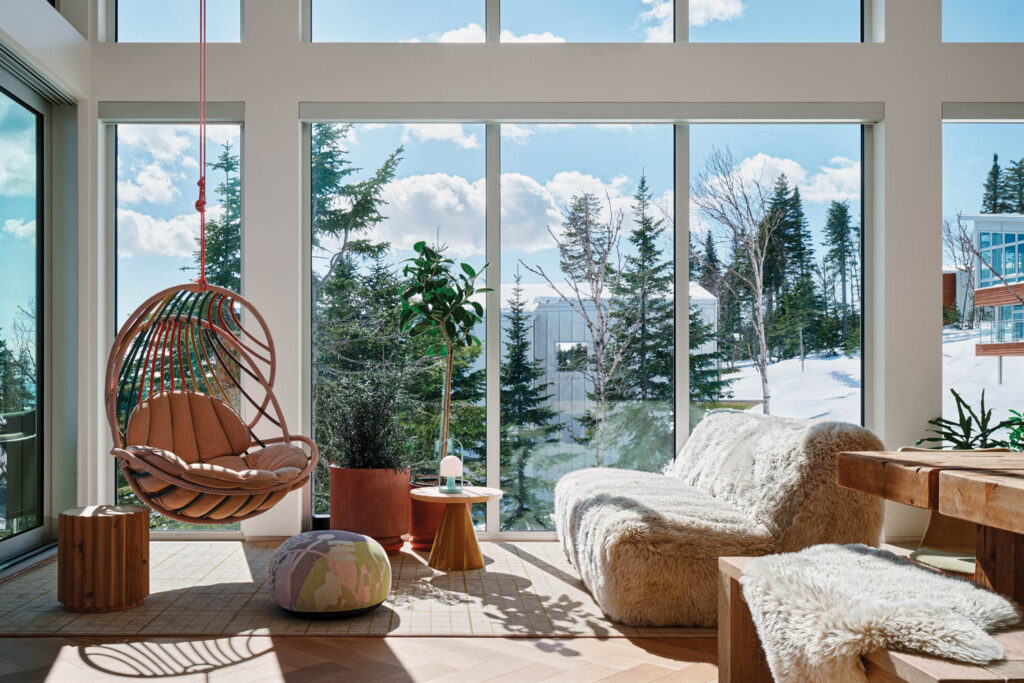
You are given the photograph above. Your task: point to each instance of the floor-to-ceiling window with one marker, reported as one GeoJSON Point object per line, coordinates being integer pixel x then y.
{"type": "Point", "coordinates": [982, 236]}
{"type": "Point", "coordinates": [21, 455]}
{"type": "Point", "coordinates": [783, 271]}
{"type": "Point", "coordinates": [157, 226]}
{"type": "Point", "coordinates": [587, 270]}
{"type": "Point", "coordinates": [377, 190]}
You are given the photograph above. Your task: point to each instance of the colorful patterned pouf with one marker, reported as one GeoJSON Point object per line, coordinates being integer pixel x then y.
{"type": "Point", "coordinates": [329, 574]}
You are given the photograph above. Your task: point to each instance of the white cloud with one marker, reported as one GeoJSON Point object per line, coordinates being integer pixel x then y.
{"type": "Point", "coordinates": [765, 169]}
{"type": "Point", "coordinates": [527, 210]}
{"type": "Point", "coordinates": [471, 33]}
{"type": "Point", "coordinates": [141, 233]}
{"type": "Point", "coordinates": [453, 209]}
{"type": "Point", "coordinates": [164, 143]}
{"type": "Point", "coordinates": [20, 229]}
{"type": "Point", "coordinates": [703, 12]}
{"type": "Point", "coordinates": [658, 21]}
{"type": "Point", "coordinates": [168, 143]}
{"type": "Point", "coordinates": [546, 37]}
{"type": "Point", "coordinates": [152, 184]}
{"type": "Point", "coordinates": [567, 184]}
{"type": "Point", "coordinates": [516, 133]}
{"type": "Point", "coordinates": [436, 204]}
{"type": "Point", "coordinates": [475, 33]}
{"type": "Point", "coordinates": [448, 132]}
{"type": "Point", "coordinates": [18, 163]}
{"type": "Point", "coordinates": [839, 181]}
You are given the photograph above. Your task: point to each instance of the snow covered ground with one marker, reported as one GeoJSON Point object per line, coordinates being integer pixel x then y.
{"type": "Point", "coordinates": [830, 387]}
{"type": "Point", "coordinates": [969, 374]}
{"type": "Point", "coordinates": [826, 388]}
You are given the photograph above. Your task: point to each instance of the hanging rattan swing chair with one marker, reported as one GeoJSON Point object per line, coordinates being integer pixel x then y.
{"type": "Point", "coordinates": [181, 369]}
{"type": "Point", "coordinates": [179, 366]}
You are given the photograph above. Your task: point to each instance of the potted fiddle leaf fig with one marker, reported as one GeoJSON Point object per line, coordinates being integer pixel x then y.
{"type": "Point", "coordinates": [439, 304]}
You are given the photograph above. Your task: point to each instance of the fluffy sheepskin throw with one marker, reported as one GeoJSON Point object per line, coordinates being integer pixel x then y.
{"type": "Point", "coordinates": [647, 545]}
{"type": "Point", "coordinates": [818, 610]}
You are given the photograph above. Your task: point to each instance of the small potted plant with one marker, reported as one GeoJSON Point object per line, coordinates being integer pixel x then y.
{"type": "Point", "coordinates": [438, 303]}
{"type": "Point", "coordinates": [369, 471]}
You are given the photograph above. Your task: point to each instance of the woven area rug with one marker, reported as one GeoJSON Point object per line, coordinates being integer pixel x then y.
{"type": "Point", "coordinates": [217, 588]}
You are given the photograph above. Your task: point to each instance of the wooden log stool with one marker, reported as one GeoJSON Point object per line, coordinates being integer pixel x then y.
{"type": "Point", "coordinates": [103, 558]}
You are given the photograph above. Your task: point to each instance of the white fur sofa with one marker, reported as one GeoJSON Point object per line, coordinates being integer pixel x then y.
{"type": "Point", "coordinates": [647, 545]}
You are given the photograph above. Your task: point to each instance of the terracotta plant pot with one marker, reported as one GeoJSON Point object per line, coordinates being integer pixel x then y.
{"type": "Point", "coordinates": [371, 502]}
{"type": "Point", "coordinates": [424, 518]}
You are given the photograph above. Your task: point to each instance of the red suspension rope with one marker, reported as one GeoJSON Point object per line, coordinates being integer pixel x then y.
{"type": "Point", "coordinates": [201, 202]}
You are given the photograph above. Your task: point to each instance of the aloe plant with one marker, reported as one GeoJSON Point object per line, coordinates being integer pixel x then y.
{"type": "Point", "coordinates": [971, 430]}
{"type": "Point", "coordinates": [439, 303]}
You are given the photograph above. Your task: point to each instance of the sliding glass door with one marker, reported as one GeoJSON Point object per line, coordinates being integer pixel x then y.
{"type": "Point", "coordinates": [21, 455]}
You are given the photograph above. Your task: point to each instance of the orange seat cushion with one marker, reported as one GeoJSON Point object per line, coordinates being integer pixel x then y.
{"type": "Point", "coordinates": [276, 464]}
{"type": "Point", "coordinates": [193, 426]}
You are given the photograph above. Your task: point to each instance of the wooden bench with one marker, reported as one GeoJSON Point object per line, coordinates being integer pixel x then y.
{"type": "Point", "coordinates": [741, 658]}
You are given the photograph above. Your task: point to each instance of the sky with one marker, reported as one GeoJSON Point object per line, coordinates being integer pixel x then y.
{"type": "Point", "coordinates": [157, 224]}
{"type": "Point", "coordinates": [967, 150]}
{"type": "Point", "coordinates": [567, 21]}
{"type": "Point", "coordinates": [17, 213]}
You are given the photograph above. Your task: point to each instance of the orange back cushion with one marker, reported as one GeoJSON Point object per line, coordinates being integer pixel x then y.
{"type": "Point", "coordinates": [193, 426]}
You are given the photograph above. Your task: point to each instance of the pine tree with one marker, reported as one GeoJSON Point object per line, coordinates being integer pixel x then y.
{"type": "Point", "coordinates": [527, 422]}
{"type": "Point", "coordinates": [799, 244]}
{"type": "Point", "coordinates": [708, 374]}
{"type": "Point", "coordinates": [841, 243]}
{"type": "Point", "coordinates": [777, 255]}
{"type": "Point", "coordinates": [642, 303]}
{"type": "Point", "coordinates": [1013, 187]}
{"type": "Point", "coordinates": [993, 199]}
{"type": "Point", "coordinates": [695, 260]}
{"type": "Point", "coordinates": [710, 274]}
{"type": "Point", "coordinates": [224, 235]}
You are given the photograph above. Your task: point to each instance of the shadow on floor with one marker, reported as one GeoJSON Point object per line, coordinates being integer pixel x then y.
{"type": "Point", "coordinates": [170, 658]}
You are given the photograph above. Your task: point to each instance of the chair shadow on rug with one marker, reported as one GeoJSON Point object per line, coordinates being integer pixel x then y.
{"type": "Point", "coordinates": [160, 658]}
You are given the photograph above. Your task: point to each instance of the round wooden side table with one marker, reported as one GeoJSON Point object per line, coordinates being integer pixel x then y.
{"type": "Point", "coordinates": [103, 558]}
{"type": "Point", "coordinates": [455, 547]}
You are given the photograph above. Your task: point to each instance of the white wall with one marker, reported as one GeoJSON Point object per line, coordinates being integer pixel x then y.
{"type": "Point", "coordinates": [910, 75]}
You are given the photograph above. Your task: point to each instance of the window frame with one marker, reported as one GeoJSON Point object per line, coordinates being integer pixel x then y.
{"type": "Point", "coordinates": [18, 545]}
{"type": "Point", "coordinates": [865, 114]}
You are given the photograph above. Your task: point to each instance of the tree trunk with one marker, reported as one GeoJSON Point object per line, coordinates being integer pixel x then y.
{"type": "Point", "coordinates": [446, 400]}
{"type": "Point", "coordinates": [802, 355]}
{"type": "Point", "coordinates": [762, 350]}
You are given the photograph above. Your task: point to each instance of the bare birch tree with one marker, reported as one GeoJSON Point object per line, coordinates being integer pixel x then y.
{"type": "Point", "coordinates": [958, 242]}
{"type": "Point", "coordinates": [591, 267]}
{"type": "Point", "coordinates": [737, 206]}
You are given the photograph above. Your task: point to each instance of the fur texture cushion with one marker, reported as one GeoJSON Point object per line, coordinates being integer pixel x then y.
{"type": "Point", "coordinates": [817, 611]}
{"type": "Point", "coordinates": [647, 545]}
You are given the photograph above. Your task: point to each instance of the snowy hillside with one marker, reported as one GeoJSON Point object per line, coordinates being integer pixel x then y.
{"type": "Point", "coordinates": [830, 387]}
{"type": "Point", "coordinates": [826, 388]}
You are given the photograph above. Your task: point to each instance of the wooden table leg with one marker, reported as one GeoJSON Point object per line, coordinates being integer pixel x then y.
{"type": "Point", "coordinates": [455, 547]}
{"type": "Point", "coordinates": [741, 658]}
{"type": "Point", "coordinates": [1000, 563]}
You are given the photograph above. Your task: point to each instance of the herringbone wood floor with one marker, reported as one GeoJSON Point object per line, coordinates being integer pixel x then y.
{"type": "Point", "coordinates": [297, 659]}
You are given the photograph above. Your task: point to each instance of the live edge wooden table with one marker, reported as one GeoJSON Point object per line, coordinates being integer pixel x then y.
{"type": "Point", "coordinates": [455, 548]}
{"type": "Point", "coordinates": [983, 487]}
